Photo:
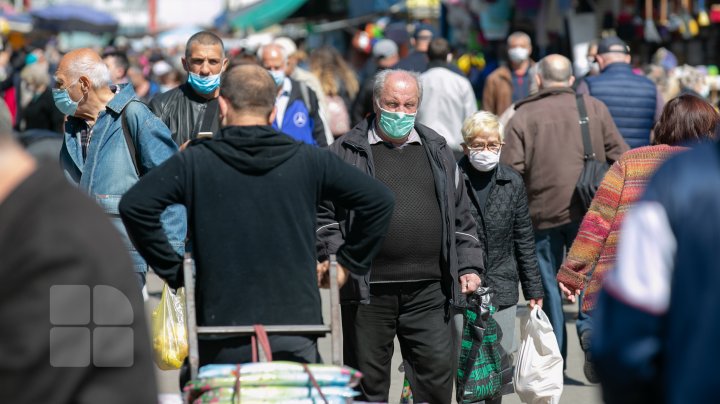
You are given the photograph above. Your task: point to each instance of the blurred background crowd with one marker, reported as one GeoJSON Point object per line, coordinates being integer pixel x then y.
{"type": "Point", "coordinates": [341, 43]}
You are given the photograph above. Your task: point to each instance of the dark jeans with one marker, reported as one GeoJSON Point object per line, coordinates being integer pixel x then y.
{"type": "Point", "coordinates": [238, 350]}
{"type": "Point", "coordinates": [584, 320]}
{"type": "Point", "coordinates": [551, 246]}
{"type": "Point", "coordinates": [418, 313]}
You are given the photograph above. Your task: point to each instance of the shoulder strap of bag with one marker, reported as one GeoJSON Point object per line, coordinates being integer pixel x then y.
{"type": "Point", "coordinates": [584, 128]}
{"type": "Point", "coordinates": [306, 96]}
{"type": "Point", "coordinates": [129, 141]}
{"type": "Point", "coordinates": [210, 116]}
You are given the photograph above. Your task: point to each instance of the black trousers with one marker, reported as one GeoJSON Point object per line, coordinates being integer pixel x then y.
{"type": "Point", "coordinates": [418, 313]}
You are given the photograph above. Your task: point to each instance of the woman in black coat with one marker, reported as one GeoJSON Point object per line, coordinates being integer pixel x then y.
{"type": "Point", "coordinates": [500, 208]}
{"type": "Point", "coordinates": [40, 111]}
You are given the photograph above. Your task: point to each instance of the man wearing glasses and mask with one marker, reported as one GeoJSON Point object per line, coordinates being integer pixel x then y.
{"type": "Point", "coordinates": [543, 142]}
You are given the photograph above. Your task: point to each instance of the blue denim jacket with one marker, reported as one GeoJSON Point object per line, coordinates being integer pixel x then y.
{"type": "Point", "coordinates": [108, 170]}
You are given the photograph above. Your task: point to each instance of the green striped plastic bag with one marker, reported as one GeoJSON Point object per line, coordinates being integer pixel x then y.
{"type": "Point", "coordinates": [484, 366]}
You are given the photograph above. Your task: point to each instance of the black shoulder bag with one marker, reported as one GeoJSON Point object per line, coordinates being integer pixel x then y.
{"type": "Point", "coordinates": [593, 170]}
{"type": "Point", "coordinates": [129, 140]}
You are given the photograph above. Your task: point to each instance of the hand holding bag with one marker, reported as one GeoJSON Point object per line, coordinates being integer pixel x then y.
{"type": "Point", "coordinates": [539, 370]}
{"type": "Point", "coordinates": [169, 334]}
{"type": "Point", "coordinates": [484, 366]}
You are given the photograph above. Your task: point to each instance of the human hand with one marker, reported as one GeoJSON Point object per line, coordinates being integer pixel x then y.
{"type": "Point", "coordinates": [469, 283]}
{"type": "Point", "coordinates": [533, 302]}
{"type": "Point", "coordinates": [570, 295]}
{"type": "Point", "coordinates": [323, 274]}
{"type": "Point", "coordinates": [184, 145]}
{"type": "Point", "coordinates": [5, 56]}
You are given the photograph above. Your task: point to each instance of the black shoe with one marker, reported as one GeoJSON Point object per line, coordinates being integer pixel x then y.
{"type": "Point", "coordinates": [588, 367]}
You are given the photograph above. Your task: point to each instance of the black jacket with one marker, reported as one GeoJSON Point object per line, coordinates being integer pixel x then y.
{"type": "Point", "coordinates": [182, 111]}
{"type": "Point", "coordinates": [506, 233]}
{"type": "Point", "coordinates": [461, 251]}
{"type": "Point", "coordinates": [52, 235]}
{"type": "Point", "coordinates": [362, 106]}
{"type": "Point", "coordinates": [41, 113]}
{"type": "Point", "coordinates": [252, 195]}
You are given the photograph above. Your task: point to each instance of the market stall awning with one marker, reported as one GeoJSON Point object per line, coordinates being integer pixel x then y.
{"type": "Point", "coordinates": [263, 14]}
{"type": "Point", "coordinates": [73, 17]}
{"type": "Point", "coordinates": [18, 22]}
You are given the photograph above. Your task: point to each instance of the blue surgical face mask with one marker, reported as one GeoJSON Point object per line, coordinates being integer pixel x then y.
{"type": "Point", "coordinates": [278, 76]}
{"type": "Point", "coordinates": [204, 84]}
{"type": "Point", "coordinates": [396, 125]}
{"type": "Point", "coordinates": [63, 102]}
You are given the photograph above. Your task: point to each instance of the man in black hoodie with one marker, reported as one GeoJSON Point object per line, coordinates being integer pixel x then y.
{"type": "Point", "coordinates": [251, 194]}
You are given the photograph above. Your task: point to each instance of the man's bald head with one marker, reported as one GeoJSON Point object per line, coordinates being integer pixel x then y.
{"type": "Point", "coordinates": [83, 63]}
{"type": "Point", "coordinates": [249, 89]}
{"type": "Point", "coordinates": [272, 50]}
{"type": "Point", "coordinates": [555, 71]}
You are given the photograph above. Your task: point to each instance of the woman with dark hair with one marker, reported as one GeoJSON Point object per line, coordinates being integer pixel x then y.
{"type": "Point", "coordinates": [685, 120]}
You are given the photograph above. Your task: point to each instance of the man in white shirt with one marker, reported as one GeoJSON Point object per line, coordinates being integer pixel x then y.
{"type": "Point", "coordinates": [448, 98]}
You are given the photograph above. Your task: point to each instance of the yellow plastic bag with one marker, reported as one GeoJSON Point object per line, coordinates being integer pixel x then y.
{"type": "Point", "coordinates": [170, 343]}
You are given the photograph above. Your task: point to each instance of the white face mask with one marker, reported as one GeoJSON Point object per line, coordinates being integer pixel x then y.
{"type": "Point", "coordinates": [484, 160]}
{"type": "Point", "coordinates": [518, 54]}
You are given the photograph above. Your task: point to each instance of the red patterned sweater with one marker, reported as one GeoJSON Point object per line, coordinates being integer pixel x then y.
{"type": "Point", "coordinates": [597, 240]}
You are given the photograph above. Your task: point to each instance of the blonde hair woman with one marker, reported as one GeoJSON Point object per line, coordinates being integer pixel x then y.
{"type": "Point", "coordinates": [500, 208]}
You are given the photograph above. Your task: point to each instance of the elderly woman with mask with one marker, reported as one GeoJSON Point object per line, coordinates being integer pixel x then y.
{"type": "Point", "coordinates": [500, 208]}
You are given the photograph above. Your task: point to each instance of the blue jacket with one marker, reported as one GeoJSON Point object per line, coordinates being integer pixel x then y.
{"type": "Point", "coordinates": [631, 100]}
{"type": "Point", "coordinates": [301, 121]}
{"type": "Point", "coordinates": [658, 328]}
{"type": "Point", "coordinates": [108, 169]}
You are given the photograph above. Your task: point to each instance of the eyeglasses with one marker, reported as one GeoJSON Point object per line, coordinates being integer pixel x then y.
{"type": "Point", "coordinates": [493, 147]}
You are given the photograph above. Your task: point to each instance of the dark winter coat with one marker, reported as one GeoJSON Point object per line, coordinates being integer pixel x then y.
{"type": "Point", "coordinates": [461, 252]}
{"type": "Point", "coordinates": [631, 99]}
{"type": "Point", "coordinates": [506, 234]}
{"type": "Point", "coordinates": [183, 112]}
{"type": "Point", "coordinates": [54, 237]}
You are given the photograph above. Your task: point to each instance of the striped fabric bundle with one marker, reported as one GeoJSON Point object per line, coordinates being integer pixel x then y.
{"type": "Point", "coordinates": [272, 382]}
{"type": "Point", "coordinates": [592, 254]}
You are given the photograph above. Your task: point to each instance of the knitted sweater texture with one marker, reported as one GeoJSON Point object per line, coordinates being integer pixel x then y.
{"type": "Point", "coordinates": [592, 254]}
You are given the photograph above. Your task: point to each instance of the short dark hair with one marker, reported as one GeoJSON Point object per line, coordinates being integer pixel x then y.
{"type": "Point", "coordinates": [439, 49]}
{"type": "Point", "coordinates": [249, 88]}
{"type": "Point", "coordinates": [120, 59]}
{"type": "Point", "coordinates": [684, 119]}
{"type": "Point", "coordinates": [203, 38]}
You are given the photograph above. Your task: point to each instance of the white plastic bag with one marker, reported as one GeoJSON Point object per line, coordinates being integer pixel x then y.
{"type": "Point", "coordinates": [539, 371]}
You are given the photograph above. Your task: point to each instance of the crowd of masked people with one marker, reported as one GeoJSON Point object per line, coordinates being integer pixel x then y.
{"type": "Point", "coordinates": [267, 164]}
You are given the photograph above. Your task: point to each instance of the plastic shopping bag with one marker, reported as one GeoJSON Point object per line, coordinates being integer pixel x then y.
{"type": "Point", "coordinates": [539, 371]}
{"type": "Point", "coordinates": [170, 344]}
{"type": "Point", "coordinates": [484, 366]}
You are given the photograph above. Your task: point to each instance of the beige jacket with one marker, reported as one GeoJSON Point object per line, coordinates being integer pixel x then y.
{"type": "Point", "coordinates": [543, 142]}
